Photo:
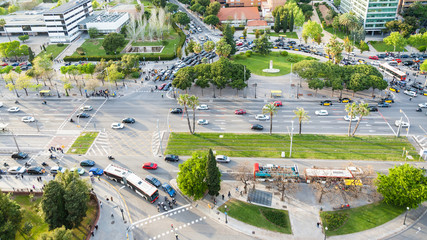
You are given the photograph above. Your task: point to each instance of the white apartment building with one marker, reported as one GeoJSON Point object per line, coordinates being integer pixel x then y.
{"type": "Point", "coordinates": [374, 13]}
{"type": "Point", "coordinates": [62, 22]}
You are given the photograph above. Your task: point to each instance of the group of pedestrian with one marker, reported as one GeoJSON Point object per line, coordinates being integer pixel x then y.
{"type": "Point", "coordinates": [96, 228]}
{"type": "Point", "coordinates": [39, 179]}
{"type": "Point", "coordinates": [53, 149]}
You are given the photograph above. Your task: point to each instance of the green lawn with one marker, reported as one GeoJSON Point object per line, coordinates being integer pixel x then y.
{"type": "Point", "coordinates": [380, 46]}
{"type": "Point", "coordinates": [170, 43]}
{"type": "Point", "coordinates": [339, 34]}
{"type": "Point", "coordinates": [93, 47]}
{"type": "Point", "coordinates": [33, 213]}
{"type": "Point", "coordinates": [53, 49]}
{"type": "Point", "coordinates": [83, 143]}
{"type": "Point", "coordinates": [256, 63]}
{"type": "Point", "coordinates": [382, 148]}
{"type": "Point", "coordinates": [267, 218]}
{"type": "Point", "coordinates": [359, 219]}
{"type": "Point", "coordinates": [287, 34]}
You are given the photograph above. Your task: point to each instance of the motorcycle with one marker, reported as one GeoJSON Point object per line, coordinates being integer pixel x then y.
{"type": "Point", "coordinates": [16, 102]}
{"type": "Point", "coordinates": [174, 201]}
{"type": "Point", "coordinates": [27, 164]}
{"type": "Point", "coordinates": [419, 110]}
{"type": "Point", "coordinates": [170, 205]}
{"type": "Point", "coordinates": [164, 206]}
{"type": "Point", "coordinates": [111, 158]}
{"type": "Point", "coordinates": [44, 164]}
{"type": "Point", "coordinates": [52, 157]}
{"type": "Point", "coordinates": [5, 164]}
{"type": "Point", "coordinates": [71, 120]}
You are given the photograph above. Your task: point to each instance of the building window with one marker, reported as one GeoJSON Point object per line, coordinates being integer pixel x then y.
{"type": "Point", "coordinates": [26, 28]}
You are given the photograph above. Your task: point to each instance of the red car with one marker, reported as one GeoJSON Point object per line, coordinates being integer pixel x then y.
{"type": "Point", "coordinates": [4, 64]}
{"type": "Point", "coordinates": [149, 165]}
{"type": "Point", "coordinates": [239, 44]}
{"type": "Point", "coordinates": [277, 103]}
{"type": "Point", "coordinates": [162, 86]}
{"type": "Point", "coordinates": [240, 112]}
{"type": "Point", "coordinates": [397, 60]}
{"type": "Point", "coordinates": [373, 57]}
{"type": "Point", "coordinates": [23, 63]}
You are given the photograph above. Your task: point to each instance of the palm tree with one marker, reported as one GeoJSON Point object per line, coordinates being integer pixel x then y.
{"type": "Point", "coordinates": [270, 109]}
{"type": "Point", "coordinates": [348, 46]}
{"type": "Point", "coordinates": [302, 115]}
{"type": "Point", "coordinates": [193, 102]}
{"type": "Point", "coordinates": [351, 109]}
{"type": "Point", "coordinates": [183, 100]}
{"type": "Point", "coordinates": [362, 110]}
{"type": "Point", "coordinates": [3, 25]}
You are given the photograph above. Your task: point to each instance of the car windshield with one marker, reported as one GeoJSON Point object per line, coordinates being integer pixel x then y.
{"type": "Point", "coordinates": [19, 168]}
{"type": "Point", "coordinates": [21, 154]}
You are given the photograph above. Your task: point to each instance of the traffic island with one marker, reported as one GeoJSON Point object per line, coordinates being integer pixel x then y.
{"type": "Point", "coordinates": [82, 144]}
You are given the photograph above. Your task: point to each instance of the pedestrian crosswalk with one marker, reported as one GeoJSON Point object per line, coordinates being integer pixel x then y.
{"type": "Point", "coordinates": [101, 146]}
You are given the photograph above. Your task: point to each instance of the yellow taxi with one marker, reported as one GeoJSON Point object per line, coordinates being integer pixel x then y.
{"type": "Point", "coordinates": [326, 103]}
{"type": "Point", "coordinates": [393, 89]}
{"type": "Point", "coordinates": [345, 100]}
{"type": "Point", "coordinates": [387, 100]}
{"type": "Point", "coordinates": [424, 93]}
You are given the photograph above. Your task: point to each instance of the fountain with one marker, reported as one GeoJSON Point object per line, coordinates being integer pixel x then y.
{"type": "Point", "coordinates": [271, 69]}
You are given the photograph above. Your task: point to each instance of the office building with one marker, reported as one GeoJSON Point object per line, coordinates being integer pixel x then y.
{"type": "Point", "coordinates": [407, 3]}
{"type": "Point", "coordinates": [105, 22]}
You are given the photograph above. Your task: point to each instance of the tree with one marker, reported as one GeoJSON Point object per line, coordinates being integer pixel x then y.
{"type": "Point", "coordinates": [181, 18]}
{"type": "Point", "coordinates": [129, 61]}
{"type": "Point", "coordinates": [211, 20]}
{"type": "Point", "coordinates": [184, 78]}
{"type": "Point", "coordinates": [172, 7]}
{"type": "Point", "coordinates": [76, 198]}
{"type": "Point", "coordinates": [351, 109]}
{"type": "Point", "coordinates": [10, 80]}
{"type": "Point", "coordinates": [43, 64]}
{"type": "Point", "coordinates": [209, 46]}
{"type": "Point", "coordinates": [423, 66]}
{"type": "Point", "coordinates": [244, 174]}
{"type": "Point", "coordinates": [312, 29]}
{"type": "Point", "coordinates": [30, 55]}
{"type": "Point", "coordinates": [213, 8]}
{"type": "Point", "coordinates": [113, 74]}
{"type": "Point", "coordinates": [277, 24]}
{"type": "Point", "coordinates": [58, 234]}
{"type": "Point", "coordinates": [213, 175]}
{"type": "Point", "coordinates": [262, 45]}
{"type": "Point", "coordinates": [361, 110]}
{"type": "Point", "coordinates": [10, 215]}
{"type": "Point", "coordinates": [271, 110]}
{"type": "Point", "coordinates": [245, 33]}
{"type": "Point", "coordinates": [112, 42]}
{"type": "Point", "coordinates": [159, 3]}
{"type": "Point", "coordinates": [396, 40]}
{"type": "Point", "coordinates": [404, 186]}
{"type": "Point", "coordinates": [334, 48]}
{"type": "Point", "coordinates": [3, 24]}
{"type": "Point", "coordinates": [93, 32]}
{"type": "Point", "coordinates": [348, 46]}
{"type": "Point", "coordinates": [223, 49]}
{"type": "Point", "coordinates": [53, 205]}
{"type": "Point", "coordinates": [191, 102]}
{"type": "Point", "coordinates": [302, 115]}
{"type": "Point", "coordinates": [24, 37]}
{"type": "Point", "coordinates": [190, 46]}
{"type": "Point", "coordinates": [203, 72]}
{"type": "Point", "coordinates": [95, 4]}
{"type": "Point", "coordinates": [363, 46]}
{"type": "Point", "coordinates": [229, 38]}
{"type": "Point", "coordinates": [191, 176]}
{"type": "Point", "coordinates": [292, 13]}
{"type": "Point", "coordinates": [67, 86]}
{"type": "Point", "coordinates": [24, 82]}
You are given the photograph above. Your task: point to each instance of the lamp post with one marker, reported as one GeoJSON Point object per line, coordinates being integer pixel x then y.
{"type": "Point", "coordinates": [404, 221]}
{"type": "Point", "coordinates": [57, 92]}
{"type": "Point", "coordinates": [292, 134]}
{"type": "Point", "coordinates": [326, 229]}
{"type": "Point", "coordinates": [255, 85]}
{"type": "Point", "coordinates": [225, 212]}
{"type": "Point", "coordinates": [409, 124]}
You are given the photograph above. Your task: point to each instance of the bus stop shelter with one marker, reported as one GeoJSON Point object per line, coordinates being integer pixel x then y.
{"type": "Point", "coordinates": [45, 93]}
{"type": "Point", "coordinates": [275, 93]}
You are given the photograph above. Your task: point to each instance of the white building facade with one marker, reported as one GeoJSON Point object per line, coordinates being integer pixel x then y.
{"type": "Point", "coordinates": [105, 22]}
{"type": "Point", "coordinates": [374, 13]}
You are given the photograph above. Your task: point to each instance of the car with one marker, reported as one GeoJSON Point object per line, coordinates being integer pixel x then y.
{"type": "Point", "coordinates": [240, 112]}
{"type": "Point", "coordinates": [1, 104]}
{"type": "Point", "coordinates": [422, 105]}
{"type": "Point", "coordinates": [382, 55]}
{"type": "Point", "coordinates": [387, 100]}
{"type": "Point", "coordinates": [86, 108]}
{"type": "Point", "coordinates": [19, 155]}
{"type": "Point", "coordinates": [257, 127]}
{"type": "Point", "coordinates": [27, 119]}
{"type": "Point", "coordinates": [17, 170]}
{"type": "Point", "coordinates": [80, 171]}
{"type": "Point", "coordinates": [87, 163]}
{"type": "Point", "coordinates": [96, 171]}
{"type": "Point", "coordinates": [162, 86]}
{"type": "Point", "coordinates": [410, 93]}
{"type": "Point", "coordinates": [202, 107]}
{"type": "Point", "coordinates": [202, 122]}
{"type": "Point", "coordinates": [402, 123]}
{"type": "Point", "coordinates": [4, 64]}
{"type": "Point", "coordinates": [373, 57]}
{"type": "Point", "coordinates": [326, 103]}
{"type": "Point", "coordinates": [404, 56]}
{"type": "Point", "coordinates": [321, 113]}
{"type": "Point", "coordinates": [57, 169]}
{"type": "Point", "coordinates": [277, 103]}
{"type": "Point", "coordinates": [153, 181]}
{"type": "Point", "coordinates": [372, 109]}
{"type": "Point", "coordinates": [354, 119]}
{"type": "Point", "coordinates": [149, 165]}
{"type": "Point", "coordinates": [176, 111]}
{"type": "Point", "coordinates": [345, 100]}
{"type": "Point", "coordinates": [389, 58]}
{"type": "Point", "coordinates": [15, 64]}
{"type": "Point", "coordinates": [262, 117]}
{"type": "Point", "coordinates": [222, 159]}
{"type": "Point", "coordinates": [375, 63]}
{"type": "Point", "coordinates": [384, 104]}
{"type": "Point", "coordinates": [361, 61]}
{"type": "Point", "coordinates": [168, 189]}
{"type": "Point", "coordinates": [117, 126]}
{"type": "Point", "coordinates": [36, 170]}
{"type": "Point", "coordinates": [171, 158]}
{"type": "Point", "coordinates": [397, 60]}
{"type": "Point", "coordinates": [13, 109]}
{"type": "Point", "coordinates": [83, 115]}
{"type": "Point", "coordinates": [394, 89]}
{"type": "Point", "coordinates": [408, 63]}
{"type": "Point", "coordinates": [128, 120]}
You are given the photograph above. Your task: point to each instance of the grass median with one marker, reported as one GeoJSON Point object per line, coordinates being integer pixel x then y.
{"type": "Point", "coordinates": [82, 144]}
{"type": "Point", "coordinates": [359, 219]}
{"type": "Point", "coordinates": [307, 146]}
{"type": "Point", "coordinates": [263, 217]}
{"type": "Point", "coordinates": [53, 49]}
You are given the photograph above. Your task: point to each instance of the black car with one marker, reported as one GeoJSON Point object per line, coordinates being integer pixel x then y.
{"type": "Point", "coordinates": [172, 158]}
{"type": "Point", "coordinates": [257, 127]}
{"type": "Point", "coordinates": [404, 56]}
{"type": "Point", "coordinates": [82, 115]}
{"type": "Point", "coordinates": [372, 109]}
{"type": "Point", "coordinates": [35, 170]}
{"type": "Point", "coordinates": [408, 63]}
{"type": "Point", "coordinates": [19, 155]}
{"type": "Point", "coordinates": [381, 55]}
{"type": "Point", "coordinates": [286, 48]}
{"type": "Point", "coordinates": [176, 110]}
{"type": "Point", "coordinates": [153, 181]}
{"type": "Point", "coordinates": [384, 104]}
{"type": "Point", "coordinates": [128, 120]}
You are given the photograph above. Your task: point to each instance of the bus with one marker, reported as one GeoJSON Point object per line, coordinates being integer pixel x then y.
{"type": "Point", "coordinates": [322, 174]}
{"type": "Point", "coordinates": [128, 178]}
{"type": "Point", "coordinates": [393, 72]}
{"type": "Point", "coordinates": [270, 171]}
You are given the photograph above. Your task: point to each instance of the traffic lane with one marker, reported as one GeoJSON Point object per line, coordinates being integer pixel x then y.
{"type": "Point", "coordinates": [26, 143]}
{"type": "Point", "coordinates": [415, 232]}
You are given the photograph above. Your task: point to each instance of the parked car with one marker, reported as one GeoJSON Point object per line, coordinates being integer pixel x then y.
{"type": "Point", "coordinates": [222, 159]}
{"type": "Point", "coordinates": [321, 113]}
{"type": "Point", "coordinates": [36, 170]}
{"type": "Point", "coordinates": [394, 89]}
{"type": "Point", "coordinates": [326, 103]}
{"type": "Point", "coordinates": [373, 57]}
{"type": "Point", "coordinates": [168, 189]}
{"type": "Point", "coordinates": [87, 163]}
{"type": "Point", "coordinates": [17, 170]}
{"type": "Point", "coordinates": [149, 165]}
{"type": "Point", "coordinates": [153, 181]}
{"type": "Point", "coordinates": [257, 127]}
{"type": "Point", "coordinates": [96, 171]}
{"type": "Point", "coordinates": [19, 155]}
{"type": "Point", "coordinates": [172, 158]}
{"type": "Point", "coordinates": [128, 120]}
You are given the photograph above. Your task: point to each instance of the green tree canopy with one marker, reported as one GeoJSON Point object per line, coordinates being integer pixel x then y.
{"type": "Point", "coordinates": [211, 20]}
{"type": "Point", "coordinates": [10, 217]}
{"type": "Point", "coordinates": [181, 18]}
{"type": "Point", "coordinates": [213, 175]}
{"type": "Point", "coordinates": [262, 45]}
{"type": "Point", "coordinates": [112, 42]}
{"type": "Point", "coordinates": [396, 40]}
{"type": "Point", "coordinates": [229, 38]}
{"type": "Point", "coordinates": [312, 29]}
{"type": "Point", "coordinates": [213, 8]}
{"type": "Point", "coordinates": [191, 176]}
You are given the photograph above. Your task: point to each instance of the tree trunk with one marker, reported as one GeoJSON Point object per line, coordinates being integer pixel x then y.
{"type": "Point", "coordinates": [188, 118]}
{"type": "Point", "coordinates": [80, 89]}
{"type": "Point", "coordinates": [202, 92]}
{"type": "Point", "coordinates": [26, 92]}
{"type": "Point", "coordinates": [300, 126]}
{"type": "Point", "coordinates": [349, 125]}
{"type": "Point", "coordinates": [66, 92]}
{"type": "Point", "coordinates": [117, 87]}
{"type": "Point", "coordinates": [332, 93]}
{"type": "Point", "coordinates": [271, 123]}
{"type": "Point", "coordinates": [194, 120]}
{"type": "Point", "coordinates": [357, 125]}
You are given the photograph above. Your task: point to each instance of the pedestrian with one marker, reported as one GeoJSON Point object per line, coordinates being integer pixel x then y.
{"type": "Point", "coordinates": [111, 198]}
{"type": "Point", "coordinates": [222, 196]}
{"type": "Point", "coordinates": [162, 95]}
{"type": "Point", "coordinates": [241, 193]}
{"type": "Point", "coordinates": [96, 227]}
{"type": "Point", "coordinates": [318, 224]}
{"type": "Point", "coordinates": [22, 176]}
{"type": "Point", "coordinates": [92, 234]}
{"type": "Point", "coordinates": [112, 215]}
{"type": "Point", "coordinates": [172, 226]}
{"type": "Point", "coordinates": [229, 194]}
{"type": "Point", "coordinates": [108, 199]}
{"type": "Point", "coordinates": [99, 179]}
{"type": "Point", "coordinates": [50, 150]}
{"type": "Point", "coordinates": [100, 204]}
{"type": "Point", "coordinates": [176, 236]}
{"type": "Point", "coordinates": [410, 99]}
{"type": "Point", "coordinates": [34, 187]}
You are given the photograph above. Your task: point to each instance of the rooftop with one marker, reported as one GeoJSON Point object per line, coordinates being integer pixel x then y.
{"type": "Point", "coordinates": [254, 23]}
{"type": "Point", "coordinates": [24, 17]}
{"type": "Point", "coordinates": [102, 16]}
{"type": "Point", "coordinates": [238, 13]}
{"type": "Point", "coordinates": [67, 6]}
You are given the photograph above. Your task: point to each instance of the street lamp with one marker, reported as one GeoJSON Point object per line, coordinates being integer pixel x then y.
{"type": "Point", "coordinates": [226, 220]}
{"type": "Point", "coordinates": [409, 124]}
{"type": "Point", "coordinates": [255, 85]}
{"type": "Point", "coordinates": [404, 221]}
{"type": "Point", "coordinates": [326, 229]}
{"type": "Point", "coordinates": [57, 92]}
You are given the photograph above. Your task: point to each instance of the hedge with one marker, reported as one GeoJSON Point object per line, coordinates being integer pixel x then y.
{"type": "Point", "coordinates": [148, 57]}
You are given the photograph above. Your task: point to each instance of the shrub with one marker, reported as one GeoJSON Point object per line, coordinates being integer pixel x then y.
{"type": "Point", "coordinates": [334, 220]}
{"type": "Point", "coordinates": [316, 4]}
{"type": "Point", "coordinates": [248, 53]}
{"type": "Point", "coordinates": [60, 44]}
{"type": "Point", "coordinates": [284, 53]}
{"type": "Point", "coordinates": [268, 31]}
{"type": "Point", "coordinates": [275, 216]}
{"type": "Point", "coordinates": [135, 74]}
{"type": "Point", "coordinates": [422, 48]}
{"type": "Point", "coordinates": [80, 51]}
{"type": "Point", "coordinates": [292, 59]}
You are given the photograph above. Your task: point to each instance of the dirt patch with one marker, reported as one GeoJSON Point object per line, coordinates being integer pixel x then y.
{"type": "Point", "coordinates": [324, 10]}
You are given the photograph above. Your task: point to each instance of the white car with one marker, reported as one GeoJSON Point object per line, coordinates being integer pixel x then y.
{"type": "Point", "coordinates": [57, 169]}
{"type": "Point", "coordinates": [202, 107]}
{"type": "Point", "coordinates": [117, 126]}
{"type": "Point", "coordinates": [262, 117]}
{"type": "Point", "coordinates": [1, 104]}
{"type": "Point", "coordinates": [389, 58]}
{"type": "Point", "coordinates": [375, 63]}
{"type": "Point", "coordinates": [202, 122]}
{"type": "Point", "coordinates": [404, 124]}
{"type": "Point", "coordinates": [17, 170]}
{"type": "Point", "coordinates": [86, 108]}
{"type": "Point", "coordinates": [410, 93]}
{"type": "Point", "coordinates": [322, 113]}
{"type": "Point", "coordinates": [27, 119]}
{"type": "Point", "coordinates": [13, 109]}
{"type": "Point", "coordinates": [222, 158]}
{"type": "Point", "coordinates": [354, 119]}
{"type": "Point", "coordinates": [422, 105]}
{"type": "Point", "coordinates": [80, 171]}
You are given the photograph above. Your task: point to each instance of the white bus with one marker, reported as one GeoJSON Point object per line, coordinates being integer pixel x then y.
{"type": "Point", "coordinates": [126, 177]}
{"type": "Point", "coordinates": [393, 72]}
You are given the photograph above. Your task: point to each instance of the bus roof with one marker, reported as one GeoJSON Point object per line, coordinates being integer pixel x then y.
{"type": "Point", "coordinates": [141, 184]}
{"type": "Point", "coordinates": [329, 173]}
{"type": "Point", "coordinates": [387, 66]}
{"type": "Point", "coordinates": [116, 170]}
